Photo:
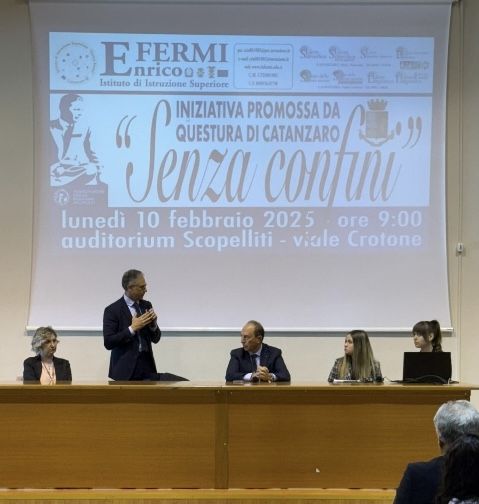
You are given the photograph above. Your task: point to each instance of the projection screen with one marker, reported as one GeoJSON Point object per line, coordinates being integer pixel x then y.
{"type": "Point", "coordinates": [276, 160]}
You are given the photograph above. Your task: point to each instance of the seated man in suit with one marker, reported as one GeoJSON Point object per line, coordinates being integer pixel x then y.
{"type": "Point", "coordinates": [256, 361]}
{"type": "Point", "coordinates": [422, 480]}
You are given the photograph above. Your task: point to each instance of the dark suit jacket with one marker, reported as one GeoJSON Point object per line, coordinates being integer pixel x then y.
{"type": "Point", "coordinates": [420, 482]}
{"type": "Point", "coordinates": [240, 363]}
{"type": "Point", "coordinates": [32, 369]}
{"type": "Point", "coordinates": [123, 344]}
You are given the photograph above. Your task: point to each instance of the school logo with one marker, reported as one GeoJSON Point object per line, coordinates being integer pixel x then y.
{"type": "Point", "coordinates": [75, 62]}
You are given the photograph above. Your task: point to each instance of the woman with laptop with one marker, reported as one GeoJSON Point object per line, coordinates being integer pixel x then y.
{"type": "Point", "coordinates": [358, 363]}
{"type": "Point", "coordinates": [430, 364]}
{"type": "Point", "coordinates": [427, 336]}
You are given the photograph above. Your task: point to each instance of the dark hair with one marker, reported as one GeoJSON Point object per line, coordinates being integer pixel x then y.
{"type": "Point", "coordinates": [258, 328]}
{"type": "Point", "coordinates": [129, 276]}
{"type": "Point", "coordinates": [425, 328]}
{"type": "Point", "coordinates": [461, 470]}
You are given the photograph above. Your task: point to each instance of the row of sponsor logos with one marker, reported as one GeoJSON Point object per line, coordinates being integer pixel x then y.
{"type": "Point", "coordinates": [77, 63]}
{"type": "Point", "coordinates": [179, 77]}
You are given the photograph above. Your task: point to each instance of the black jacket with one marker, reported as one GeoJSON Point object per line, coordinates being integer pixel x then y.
{"type": "Point", "coordinates": [123, 344]}
{"type": "Point", "coordinates": [241, 363]}
{"type": "Point", "coordinates": [32, 369]}
{"type": "Point", "coordinates": [420, 482]}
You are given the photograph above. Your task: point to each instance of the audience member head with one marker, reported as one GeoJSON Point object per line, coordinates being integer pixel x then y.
{"type": "Point", "coordinates": [358, 354]}
{"type": "Point", "coordinates": [427, 336]}
{"type": "Point", "coordinates": [44, 342]}
{"type": "Point", "coordinates": [134, 283]}
{"type": "Point", "coordinates": [461, 470]}
{"type": "Point", "coordinates": [454, 419]}
{"type": "Point", "coordinates": [252, 335]}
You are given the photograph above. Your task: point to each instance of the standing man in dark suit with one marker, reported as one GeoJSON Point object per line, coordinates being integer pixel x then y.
{"type": "Point", "coordinates": [256, 361]}
{"type": "Point", "coordinates": [422, 480]}
{"type": "Point", "coordinates": [129, 328]}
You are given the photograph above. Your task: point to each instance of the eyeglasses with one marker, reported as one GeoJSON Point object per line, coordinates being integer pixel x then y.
{"type": "Point", "coordinates": [134, 286]}
{"type": "Point", "coordinates": [49, 342]}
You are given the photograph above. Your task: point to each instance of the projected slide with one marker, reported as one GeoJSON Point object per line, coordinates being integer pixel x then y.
{"type": "Point", "coordinates": [245, 133]}
{"type": "Point", "coordinates": [293, 179]}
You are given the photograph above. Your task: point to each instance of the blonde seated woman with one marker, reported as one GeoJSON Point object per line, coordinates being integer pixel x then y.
{"type": "Point", "coordinates": [45, 368]}
{"type": "Point", "coordinates": [358, 362]}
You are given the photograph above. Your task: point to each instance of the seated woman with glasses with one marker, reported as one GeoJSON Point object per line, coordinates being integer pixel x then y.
{"type": "Point", "coordinates": [46, 368]}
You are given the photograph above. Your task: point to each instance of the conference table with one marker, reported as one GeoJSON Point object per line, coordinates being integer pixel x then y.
{"type": "Point", "coordinates": [216, 435]}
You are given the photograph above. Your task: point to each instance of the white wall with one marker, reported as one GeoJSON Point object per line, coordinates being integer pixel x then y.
{"type": "Point", "coordinates": [468, 204]}
{"type": "Point", "coordinates": [16, 182]}
{"type": "Point", "coordinates": [205, 358]}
